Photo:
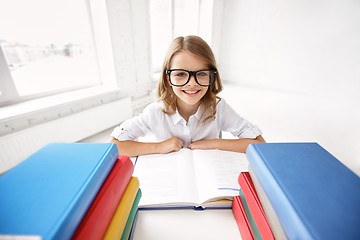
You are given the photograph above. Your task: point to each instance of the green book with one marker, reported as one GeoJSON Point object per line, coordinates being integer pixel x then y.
{"type": "Point", "coordinates": [250, 218]}
{"type": "Point", "coordinates": [130, 220]}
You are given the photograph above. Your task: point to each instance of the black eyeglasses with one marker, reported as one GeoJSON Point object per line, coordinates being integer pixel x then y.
{"type": "Point", "coordinates": [180, 77]}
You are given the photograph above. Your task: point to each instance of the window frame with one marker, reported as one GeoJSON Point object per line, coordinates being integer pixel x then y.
{"type": "Point", "coordinates": [7, 86]}
{"type": "Point", "coordinates": [103, 54]}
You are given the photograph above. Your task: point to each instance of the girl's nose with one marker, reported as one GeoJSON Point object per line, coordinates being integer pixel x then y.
{"type": "Point", "coordinates": [192, 81]}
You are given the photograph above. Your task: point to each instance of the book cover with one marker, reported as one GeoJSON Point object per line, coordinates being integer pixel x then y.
{"type": "Point", "coordinates": [197, 179]}
{"type": "Point", "coordinates": [118, 222]}
{"type": "Point", "coordinates": [313, 194]}
{"type": "Point", "coordinates": [256, 209]}
{"type": "Point", "coordinates": [99, 215]}
{"type": "Point", "coordinates": [48, 193]}
{"type": "Point", "coordinates": [241, 219]}
{"type": "Point", "coordinates": [131, 219]}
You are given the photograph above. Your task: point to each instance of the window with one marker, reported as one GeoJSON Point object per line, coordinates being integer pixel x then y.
{"type": "Point", "coordinates": [161, 30]}
{"type": "Point", "coordinates": [170, 19]}
{"type": "Point", "coordinates": [46, 47]}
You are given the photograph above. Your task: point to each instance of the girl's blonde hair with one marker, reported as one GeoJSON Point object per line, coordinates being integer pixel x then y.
{"type": "Point", "coordinates": [199, 47]}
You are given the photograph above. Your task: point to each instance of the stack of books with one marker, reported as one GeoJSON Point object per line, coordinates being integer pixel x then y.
{"type": "Point", "coordinates": [70, 190]}
{"type": "Point", "coordinates": [297, 191]}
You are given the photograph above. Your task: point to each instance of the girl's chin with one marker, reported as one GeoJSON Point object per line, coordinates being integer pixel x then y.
{"type": "Point", "coordinates": [193, 101]}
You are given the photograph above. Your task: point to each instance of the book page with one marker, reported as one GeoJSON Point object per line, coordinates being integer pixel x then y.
{"type": "Point", "coordinates": [217, 173]}
{"type": "Point", "coordinates": [166, 179]}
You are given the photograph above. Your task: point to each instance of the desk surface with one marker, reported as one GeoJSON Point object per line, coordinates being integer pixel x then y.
{"type": "Point", "coordinates": [186, 224]}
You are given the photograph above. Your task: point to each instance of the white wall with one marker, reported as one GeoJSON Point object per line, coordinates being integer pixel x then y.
{"type": "Point", "coordinates": [303, 50]}
{"type": "Point", "coordinates": [303, 46]}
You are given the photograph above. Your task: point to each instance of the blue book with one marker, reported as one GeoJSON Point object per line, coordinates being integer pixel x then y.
{"type": "Point", "coordinates": [312, 193]}
{"type": "Point", "coordinates": [48, 193]}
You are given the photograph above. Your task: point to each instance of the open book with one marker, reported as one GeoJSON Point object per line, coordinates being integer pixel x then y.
{"type": "Point", "coordinates": [190, 178]}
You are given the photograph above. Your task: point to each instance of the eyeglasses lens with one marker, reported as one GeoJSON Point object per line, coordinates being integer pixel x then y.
{"type": "Point", "coordinates": [180, 77]}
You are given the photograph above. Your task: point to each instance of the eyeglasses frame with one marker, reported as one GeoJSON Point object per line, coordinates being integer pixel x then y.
{"type": "Point", "coordinates": [192, 73]}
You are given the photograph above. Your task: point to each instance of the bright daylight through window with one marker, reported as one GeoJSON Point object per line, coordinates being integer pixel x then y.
{"type": "Point", "coordinates": [47, 45]}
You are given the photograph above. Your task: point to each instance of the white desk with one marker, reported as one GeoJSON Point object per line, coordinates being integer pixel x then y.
{"type": "Point", "coordinates": [186, 224]}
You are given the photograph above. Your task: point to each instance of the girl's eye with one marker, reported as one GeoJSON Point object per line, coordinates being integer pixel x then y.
{"type": "Point", "coordinates": [181, 74]}
{"type": "Point", "coordinates": [202, 74]}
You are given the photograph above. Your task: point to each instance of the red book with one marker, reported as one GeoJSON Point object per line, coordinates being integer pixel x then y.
{"type": "Point", "coordinates": [99, 215]}
{"type": "Point", "coordinates": [241, 219]}
{"type": "Point", "coordinates": [256, 209]}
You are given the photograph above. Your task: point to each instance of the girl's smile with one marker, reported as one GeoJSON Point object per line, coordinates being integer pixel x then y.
{"type": "Point", "coordinates": [191, 93]}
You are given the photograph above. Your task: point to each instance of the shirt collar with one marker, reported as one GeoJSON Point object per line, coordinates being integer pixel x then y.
{"type": "Point", "coordinates": [176, 117]}
{"type": "Point", "coordinates": [198, 112]}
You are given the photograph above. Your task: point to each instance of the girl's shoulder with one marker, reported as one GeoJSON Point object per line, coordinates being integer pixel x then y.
{"type": "Point", "coordinates": [155, 105]}
{"type": "Point", "coordinates": [223, 108]}
{"type": "Point", "coordinates": [220, 103]}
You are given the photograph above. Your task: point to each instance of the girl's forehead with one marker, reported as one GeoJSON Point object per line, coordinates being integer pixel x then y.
{"type": "Point", "coordinates": [188, 61]}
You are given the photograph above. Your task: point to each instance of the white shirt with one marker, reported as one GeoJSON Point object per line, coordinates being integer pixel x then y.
{"type": "Point", "coordinates": [163, 126]}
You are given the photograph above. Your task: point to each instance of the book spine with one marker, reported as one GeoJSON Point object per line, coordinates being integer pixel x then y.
{"type": "Point", "coordinates": [255, 206]}
{"type": "Point", "coordinates": [84, 198]}
{"type": "Point", "coordinates": [271, 217]}
{"type": "Point", "coordinates": [130, 222]}
{"type": "Point", "coordinates": [287, 214]}
{"type": "Point", "coordinates": [106, 201]}
{"type": "Point", "coordinates": [250, 218]}
{"type": "Point", "coordinates": [122, 212]}
{"type": "Point", "coordinates": [241, 219]}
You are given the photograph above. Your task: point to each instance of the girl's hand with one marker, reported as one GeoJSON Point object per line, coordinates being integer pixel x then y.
{"type": "Point", "coordinates": [203, 144]}
{"type": "Point", "coordinates": [173, 144]}
{"type": "Point", "coordinates": [236, 145]}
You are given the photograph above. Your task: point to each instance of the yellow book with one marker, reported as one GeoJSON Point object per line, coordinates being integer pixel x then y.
{"type": "Point", "coordinates": [122, 212]}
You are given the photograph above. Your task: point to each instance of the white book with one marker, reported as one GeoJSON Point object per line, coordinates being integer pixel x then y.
{"type": "Point", "coordinates": [270, 213]}
{"type": "Point", "coordinates": [190, 178]}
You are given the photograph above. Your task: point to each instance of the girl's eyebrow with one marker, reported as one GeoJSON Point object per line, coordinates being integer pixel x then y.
{"type": "Point", "coordinates": [200, 69]}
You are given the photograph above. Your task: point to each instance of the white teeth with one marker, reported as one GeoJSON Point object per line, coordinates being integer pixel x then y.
{"type": "Point", "coordinates": [191, 92]}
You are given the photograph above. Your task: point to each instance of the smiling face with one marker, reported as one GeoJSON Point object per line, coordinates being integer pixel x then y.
{"type": "Point", "coordinates": [188, 96]}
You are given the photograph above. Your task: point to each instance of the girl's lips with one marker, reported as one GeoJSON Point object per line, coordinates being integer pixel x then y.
{"type": "Point", "coordinates": [191, 91]}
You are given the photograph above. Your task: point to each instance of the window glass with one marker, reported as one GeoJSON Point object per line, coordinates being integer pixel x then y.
{"type": "Point", "coordinates": [48, 45]}
{"type": "Point", "coordinates": [186, 17]}
{"type": "Point", "coordinates": [170, 19]}
{"type": "Point", "coordinates": [161, 30]}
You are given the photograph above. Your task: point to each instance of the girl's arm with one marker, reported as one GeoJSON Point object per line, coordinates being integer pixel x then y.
{"type": "Point", "coordinates": [236, 145]}
{"type": "Point", "coordinates": [134, 148]}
